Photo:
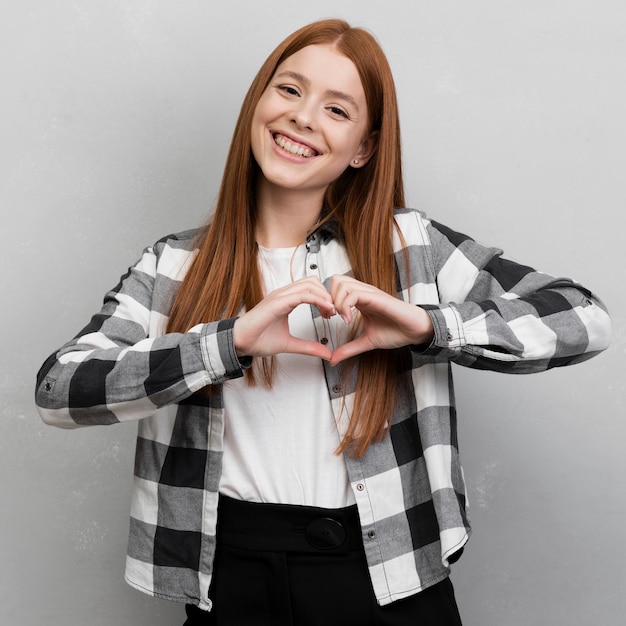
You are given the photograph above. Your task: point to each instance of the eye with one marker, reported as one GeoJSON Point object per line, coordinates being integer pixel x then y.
{"type": "Point", "coordinates": [289, 90]}
{"type": "Point", "coordinates": [338, 111]}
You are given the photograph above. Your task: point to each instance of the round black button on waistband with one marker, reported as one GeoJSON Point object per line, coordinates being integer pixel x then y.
{"type": "Point", "coordinates": [325, 533]}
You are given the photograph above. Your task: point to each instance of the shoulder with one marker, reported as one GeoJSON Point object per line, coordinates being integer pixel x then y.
{"type": "Point", "coordinates": [422, 235]}
{"type": "Point", "coordinates": [410, 212]}
{"type": "Point", "coordinates": [413, 225]}
{"type": "Point", "coordinates": [172, 254]}
{"type": "Point", "coordinates": [407, 216]}
{"type": "Point", "coordinates": [410, 221]}
{"type": "Point", "coordinates": [186, 240]}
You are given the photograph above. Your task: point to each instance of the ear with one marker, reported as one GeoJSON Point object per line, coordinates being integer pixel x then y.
{"type": "Point", "coordinates": [365, 151]}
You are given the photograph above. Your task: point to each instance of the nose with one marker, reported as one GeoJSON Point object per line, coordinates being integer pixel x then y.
{"type": "Point", "coordinates": [303, 115]}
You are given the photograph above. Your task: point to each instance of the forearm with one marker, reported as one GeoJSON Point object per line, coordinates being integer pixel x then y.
{"type": "Point", "coordinates": [501, 315]}
{"type": "Point", "coordinates": [83, 384]}
{"type": "Point", "coordinates": [560, 324]}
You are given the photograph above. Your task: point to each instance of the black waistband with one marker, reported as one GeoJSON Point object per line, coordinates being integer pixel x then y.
{"type": "Point", "coordinates": [288, 528]}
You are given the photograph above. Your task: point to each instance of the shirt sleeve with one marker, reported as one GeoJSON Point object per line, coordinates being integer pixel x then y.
{"type": "Point", "coordinates": [118, 368]}
{"type": "Point", "coordinates": [500, 315]}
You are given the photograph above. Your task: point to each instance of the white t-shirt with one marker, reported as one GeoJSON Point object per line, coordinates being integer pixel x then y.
{"type": "Point", "coordinates": [279, 443]}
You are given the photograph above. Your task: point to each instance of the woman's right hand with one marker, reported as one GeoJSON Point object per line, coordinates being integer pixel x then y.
{"type": "Point", "coordinates": [264, 329]}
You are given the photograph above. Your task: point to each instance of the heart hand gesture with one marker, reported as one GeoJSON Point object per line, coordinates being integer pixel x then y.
{"type": "Point", "coordinates": [387, 322]}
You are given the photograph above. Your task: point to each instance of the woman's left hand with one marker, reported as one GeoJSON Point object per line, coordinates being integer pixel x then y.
{"type": "Point", "coordinates": [387, 322]}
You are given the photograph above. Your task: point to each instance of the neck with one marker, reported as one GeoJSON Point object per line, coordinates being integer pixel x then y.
{"type": "Point", "coordinates": [285, 217]}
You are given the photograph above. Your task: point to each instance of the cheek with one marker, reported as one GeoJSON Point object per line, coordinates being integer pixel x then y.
{"type": "Point", "coordinates": [266, 108]}
{"type": "Point", "coordinates": [264, 114]}
{"type": "Point", "coordinates": [256, 147]}
{"type": "Point", "coordinates": [350, 141]}
{"type": "Point", "coordinates": [257, 133]}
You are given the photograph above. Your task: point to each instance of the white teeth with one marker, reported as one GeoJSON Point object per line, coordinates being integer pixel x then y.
{"type": "Point", "coordinates": [292, 148]}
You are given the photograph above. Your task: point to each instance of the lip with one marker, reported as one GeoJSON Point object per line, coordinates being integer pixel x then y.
{"type": "Point", "coordinates": [295, 139]}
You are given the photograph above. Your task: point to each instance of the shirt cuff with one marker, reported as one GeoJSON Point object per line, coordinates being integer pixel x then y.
{"type": "Point", "coordinates": [448, 327]}
{"type": "Point", "coordinates": [218, 351]}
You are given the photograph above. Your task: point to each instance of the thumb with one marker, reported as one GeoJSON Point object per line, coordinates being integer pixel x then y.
{"type": "Point", "coordinates": [309, 348]}
{"type": "Point", "coordinates": [352, 348]}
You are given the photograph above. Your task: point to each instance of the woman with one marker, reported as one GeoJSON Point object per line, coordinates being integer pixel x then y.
{"type": "Point", "coordinates": [289, 363]}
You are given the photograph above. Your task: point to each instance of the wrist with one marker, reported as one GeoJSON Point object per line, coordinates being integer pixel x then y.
{"type": "Point", "coordinates": [425, 332]}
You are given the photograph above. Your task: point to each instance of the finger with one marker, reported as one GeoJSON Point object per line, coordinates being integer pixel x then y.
{"type": "Point", "coordinates": [345, 296]}
{"type": "Point", "coordinates": [307, 291]}
{"type": "Point", "coordinates": [308, 348]}
{"type": "Point", "coordinates": [286, 303]}
{"type": "Point", "coordinates": [350, 294]}
{"type": "Point", "coordinates": [352, 348]}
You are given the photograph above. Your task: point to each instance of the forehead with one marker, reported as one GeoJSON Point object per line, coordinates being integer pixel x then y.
{"type": "Point", "coordinates": [323, 66]}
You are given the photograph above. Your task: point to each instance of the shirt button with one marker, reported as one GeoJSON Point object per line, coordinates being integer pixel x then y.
{"type": "Point", "coordinates": [371, 534]}
{"type": "Point", "coordinates": [360, 487]}
{"type": "Point", "coordinates": [313, 266]}
{"type": "Point", "coordinates": [449, 337]}
{"type": "Point", "coordinates": [324, 340]}
{"type": "Point", "coordinates": [336, 388]}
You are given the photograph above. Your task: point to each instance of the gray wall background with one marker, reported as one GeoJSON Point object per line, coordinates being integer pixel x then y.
{"type": "Point", "coordinates": [115, 117]}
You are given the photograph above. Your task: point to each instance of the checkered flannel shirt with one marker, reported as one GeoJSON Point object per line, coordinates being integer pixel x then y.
{"type": "Point", "coordinates": [488, 313]}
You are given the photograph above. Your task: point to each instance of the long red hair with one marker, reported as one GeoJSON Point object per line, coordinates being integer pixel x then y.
{"type": "Point", "coordinates": [224, 274]}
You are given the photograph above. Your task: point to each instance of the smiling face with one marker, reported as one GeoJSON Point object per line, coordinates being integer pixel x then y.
{"type": "Point", "coordinates": [311, 122]}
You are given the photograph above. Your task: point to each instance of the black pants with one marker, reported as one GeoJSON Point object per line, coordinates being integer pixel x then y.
{"type": "Point", "coordinates": [279, 565]}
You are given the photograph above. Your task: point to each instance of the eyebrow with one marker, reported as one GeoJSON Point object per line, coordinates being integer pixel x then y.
{"type": "Point", "coordinates": [335, 93]}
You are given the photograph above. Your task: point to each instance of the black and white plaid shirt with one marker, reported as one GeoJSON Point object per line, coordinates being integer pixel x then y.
{"type": "Point", "coordinates": [488, 313]}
